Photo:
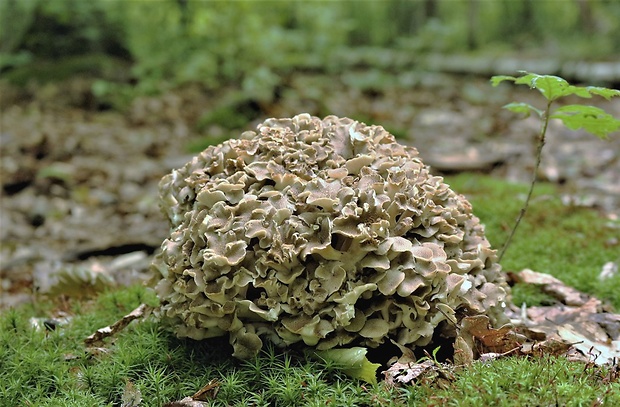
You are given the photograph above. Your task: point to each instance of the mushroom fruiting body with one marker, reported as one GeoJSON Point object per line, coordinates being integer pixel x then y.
{"type": "Point", "coordinates": [322, 231]}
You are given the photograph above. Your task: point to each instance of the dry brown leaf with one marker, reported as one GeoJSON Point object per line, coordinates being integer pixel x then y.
{"type": "Point", "coordinates": [500, 340]}
{"type": "Point", "coordinates": [407, 373]}
{"type": "Point", "coordinates": [463, 353]}
{"type": "Point", "coordinates": [131, 396]}
{"type": "Point", "coordinates": [406, 370]}
{"type": "Point", "coordinates": [186, 402]}
{"type": "Point", "coordinates": [596, 350]}
{"type": "Point", "coordinates": [198, 399]}
{"type": "Point", "coordinates": [586, 328]}
{"type": "Point", "coordinates": [480, 337]}
{"type": "Point", "coordinates": [407, 354]}
{"type": "Point", "coordinates": [208, 391]}
{"type": "Point", "coordinates": [551, 347]}
{"type": "Point", "coordinates": [553, 286]}
{"type": "Point", "coordinates": [579, 328]}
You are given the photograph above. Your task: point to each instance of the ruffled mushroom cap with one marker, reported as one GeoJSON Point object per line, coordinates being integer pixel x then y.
{"type": "Point", "coordinates": [325, 232]}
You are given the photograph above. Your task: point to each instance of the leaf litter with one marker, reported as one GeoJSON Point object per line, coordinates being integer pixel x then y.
{"type": "Point", "coordinates": [578, 320]}
{"type": "Point", "coordinates": [578, 327]}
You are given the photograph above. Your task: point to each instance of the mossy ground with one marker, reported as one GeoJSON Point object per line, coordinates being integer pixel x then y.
{"type": "Point", "coordinates": [39, 367]}
{"type": "Point", "coordinates": [569, 242]}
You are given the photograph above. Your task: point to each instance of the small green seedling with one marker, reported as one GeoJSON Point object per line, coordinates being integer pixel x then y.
{"type": "Point", "coordinates": [590, 118]}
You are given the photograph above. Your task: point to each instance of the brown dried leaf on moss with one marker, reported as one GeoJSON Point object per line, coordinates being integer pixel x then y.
{"type": "Point", "coordinates": [579, 323]}
{"type": "Point", "coordinates": [132, 397]}
{"type": "Point", "coordinates": [477, 340]}
{"type": "Point", "coordinates": [588, 329]}
{"type": "Point", "coordinates": [552, 286]}
{"type": "Point", "coordinates": [407, 370]}
{"type": "Point", "coordinates": [200, 398]}
{"type": "Point", "coordinates": [186, 402]}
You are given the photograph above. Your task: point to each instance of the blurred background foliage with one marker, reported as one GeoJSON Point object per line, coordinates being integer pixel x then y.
{"type": "Point", "coordinates": [146, 45]}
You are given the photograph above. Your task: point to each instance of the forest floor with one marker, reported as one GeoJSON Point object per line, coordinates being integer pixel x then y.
{"type": "Point", "coordinates": [80, 184]}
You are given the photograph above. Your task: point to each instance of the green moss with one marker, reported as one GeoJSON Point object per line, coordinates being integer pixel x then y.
{"type": "Point", "coordinates": [531, 295]}
{"type": "Point", "coordinates": [566, 241]}
{"type": "Point", "coordinates": [522, 382]}
{"type": "Point", "coordinates": [46, 368]}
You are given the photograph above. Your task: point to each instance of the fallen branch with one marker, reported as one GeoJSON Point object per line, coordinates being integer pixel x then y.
{"type": "Point", "coordinates": [102, 333]}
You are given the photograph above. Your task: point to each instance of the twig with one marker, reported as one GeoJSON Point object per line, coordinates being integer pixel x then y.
{"type": "Point", "coordinates": [102, 333]}
{"type": "Point", "coordinates": [541, 144]}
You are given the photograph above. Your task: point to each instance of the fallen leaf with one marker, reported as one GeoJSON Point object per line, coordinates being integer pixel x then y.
{"type": "Point", "coordinates": [579, 327]}
{"type": "Point", "coordinates": [186, 402]}
{"type": "Point", "coordinates": [470, 159]}
{"type": "Point", "coordinates": [406, 370]}
{"type": "Point", "coordinates": [551, 347]}
{"type": "Point", "coordinates": [594, 349]}
{"type": "Point", "coordinates": [609, 322]}
{"type": "Point", "coordinates": [131, 396]}
{"type": "Point", "coordinates": [553, 286]}
{"type": "Point", "coordinates": [406, 373]}
{"type": "Point", "coordinates": [49, 324]}
{"type": "Point", "coordinates": [463, 353]}
{"type": "Point", "coordinates": [476, 332]}
{"type": "Point", "coordinates": [198, 399]}
{"type": "Point", "coordinates": [208, 391]}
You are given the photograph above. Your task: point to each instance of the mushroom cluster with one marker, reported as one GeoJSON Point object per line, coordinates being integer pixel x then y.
{"type": "Point", "coordinates": [323, 231]}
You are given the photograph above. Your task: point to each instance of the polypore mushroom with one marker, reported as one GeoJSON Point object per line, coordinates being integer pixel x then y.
{"type": "Point", "coordinates": [326, 232]}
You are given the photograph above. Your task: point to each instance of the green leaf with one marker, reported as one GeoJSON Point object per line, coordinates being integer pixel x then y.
{"type": "Point", "coordinates": [579, 91]}
{"type": "Point", "coordinates": [592, 119]}
{"type": "Point", "coordinates": [604, 92]}
{"type": "Point", "coordinates": [550, 86]}
{"type": "Point", "coordinates": [523, 108]}
{"type": "Point", "coordinates": [527, 79]}
{"type": "Point", "coordinates": [496, 80]}
{"type": "Point", "coordinates": [553, 87]}
{"type": "Point", "coordinates": [352, 362]}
